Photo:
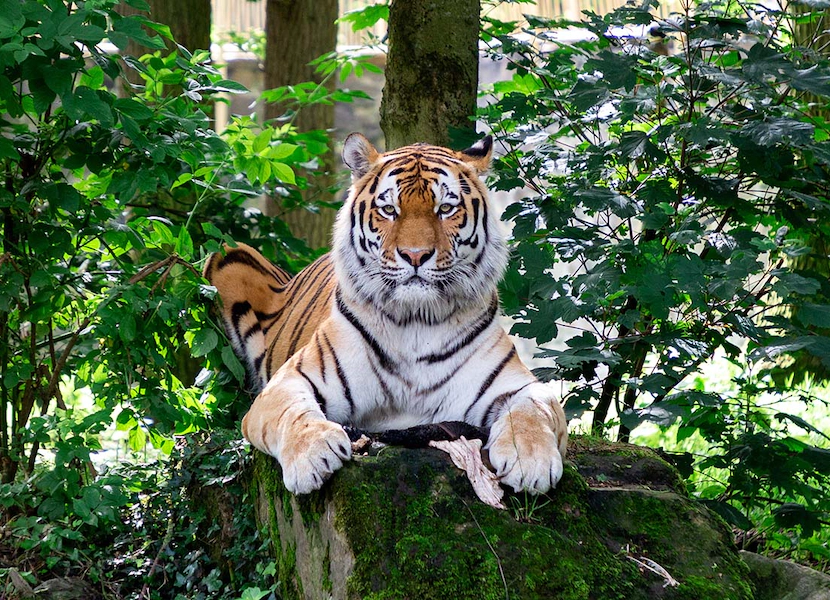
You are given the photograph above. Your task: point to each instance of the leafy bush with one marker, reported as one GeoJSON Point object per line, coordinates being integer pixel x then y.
{"type": "Point", "coordinates": [113, 195]}
{"type": "Point", "coordinates": [676, 174]}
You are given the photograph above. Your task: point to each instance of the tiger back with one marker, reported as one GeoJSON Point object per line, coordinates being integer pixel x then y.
{"type": "Point", "coordinates": [268, 314]}
{"type": "Point", "coordinates": [396, 327]}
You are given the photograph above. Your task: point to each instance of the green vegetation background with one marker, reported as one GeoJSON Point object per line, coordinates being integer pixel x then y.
{"type": "Point", "coordinates": [670, 262]}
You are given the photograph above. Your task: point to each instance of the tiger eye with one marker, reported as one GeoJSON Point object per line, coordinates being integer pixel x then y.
{"type": "Point", "coordinates": [445, 208]}
{"type": "Point", "coordinates": [388, 209]}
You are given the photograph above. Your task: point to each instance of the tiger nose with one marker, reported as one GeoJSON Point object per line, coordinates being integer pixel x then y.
{"type": "Point", "coordinates": [416, 256]}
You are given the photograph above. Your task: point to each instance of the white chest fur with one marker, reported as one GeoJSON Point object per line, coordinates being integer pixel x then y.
{"type": "Point", "coordinates": [405, 375]}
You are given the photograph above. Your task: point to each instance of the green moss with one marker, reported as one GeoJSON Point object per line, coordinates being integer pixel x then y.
{"type": "Point", "coordinates": [267, 486]}
{"type": "Point", "coordinates": [677, 533]}
{"type": "Point", "coordinates": [420, 534]}
{"type": "Point", "coordinates": [605, 463]}
{"type": "Point", "coordinates": [417, 532]}
{"type": "Point", "coordinates": [327, 583]}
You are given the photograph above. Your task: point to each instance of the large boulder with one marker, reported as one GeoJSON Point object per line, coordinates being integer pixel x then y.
{"type": "Point", "coordinates": [777, 579]}
{"type": "Point", "coordinates": [405, 524]}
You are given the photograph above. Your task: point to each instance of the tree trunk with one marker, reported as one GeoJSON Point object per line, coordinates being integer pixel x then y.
{"type": "Point", "coordinates": [297, 32]}
{"type": "Point", "coordinates": [431, 72]}
{"type": "Point", "coordinates": [189, 22]}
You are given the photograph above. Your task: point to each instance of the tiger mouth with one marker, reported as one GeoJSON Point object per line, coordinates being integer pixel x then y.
{"type": "Point", "coordinates": [416, 280]}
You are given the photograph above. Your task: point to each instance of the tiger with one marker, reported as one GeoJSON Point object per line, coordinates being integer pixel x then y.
{"type": "Point", "coordinates": [396, 327]}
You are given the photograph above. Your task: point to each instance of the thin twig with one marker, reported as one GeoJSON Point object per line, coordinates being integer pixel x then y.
{"type": "Point", "coordinates": [493, 550]}
{"type": "Point", "coordinates": [655, 568]}
{"type": "Point", "coordinates": [168, 536]}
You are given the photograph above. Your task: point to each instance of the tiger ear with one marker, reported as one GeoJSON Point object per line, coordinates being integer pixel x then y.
{"type": "Point", "coordinates": [479, 154]}
{"type": "Point", "coordinates": [359, 155]}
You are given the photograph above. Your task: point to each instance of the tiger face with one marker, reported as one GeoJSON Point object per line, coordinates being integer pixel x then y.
{"type": "Point", "coordinates": [416, 237]}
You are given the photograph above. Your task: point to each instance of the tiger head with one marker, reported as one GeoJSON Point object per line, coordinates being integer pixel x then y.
{"type": "Point", "coordinates": [416, 236]}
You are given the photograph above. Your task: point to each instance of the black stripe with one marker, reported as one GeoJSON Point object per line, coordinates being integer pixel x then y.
{"type": "Point", "coordinates": [373, 187]}
{"type": "Point", "coordinates": [258, 365]}
{"type": "Point", "coordinates": [483, 323]}
{"type": "Point", "coordinates": [251, 331]}
{"type": "Point", "coordinates": [489, 381]}
{"type": "Point", "coordinates": [353, 233]}
{"type": "Point", "coordinates": [387, 393]}
{"type": "Point", "coordinates": [317, 268]}
{"type": "Point", "coordinates": [241, 256]}
{"type": "Point", "coordinates": [344, 382]}
{"type": "Point", "coordinates": [497, 404]}
{"type": "Point", "coordinates": [438, 170]}
{"type": "Point", "coordinates": [273, 317]}
{"type": "Point", "coordinates": [361, 208]}
{"type": "Point", "coordinates": [436, 386]}
{"type": "Point", "coordinates": [321, 401]}
{"type": "Point", "coordinates": [239, 310]}
{"type": "Point", "coordinates": [305, 317]}
{"type": "Point", "coordinates": [382, 357]}
{"type": "Point", "coordinates": [320, 357]}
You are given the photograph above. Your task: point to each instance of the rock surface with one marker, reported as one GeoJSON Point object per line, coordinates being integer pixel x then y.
{"type": "Point", "coordinates": [405, 524]}
{"type": "Point", "coordinates": [783, 580]}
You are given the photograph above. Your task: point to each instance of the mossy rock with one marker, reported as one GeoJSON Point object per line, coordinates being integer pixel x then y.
{"type": "Point", "coordinates": [405, 524]}
{"type": "Point", "coordinates": [777, 579]}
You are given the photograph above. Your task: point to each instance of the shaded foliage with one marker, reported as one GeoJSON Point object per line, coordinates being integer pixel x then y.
{"type": "Point", "coordinates": [110, 202]}
{"type": "Point", "coordinates": [672, 172]}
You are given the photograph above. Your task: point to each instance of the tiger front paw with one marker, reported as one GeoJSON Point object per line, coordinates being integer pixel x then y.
{"type": "Point", "coordinates": [525, 453]}
{"type": "Point", "coordinates": [316, 450]}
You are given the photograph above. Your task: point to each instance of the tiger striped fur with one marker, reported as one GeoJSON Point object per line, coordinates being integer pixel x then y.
{"type": "Point", "coordinates": [396, 327]}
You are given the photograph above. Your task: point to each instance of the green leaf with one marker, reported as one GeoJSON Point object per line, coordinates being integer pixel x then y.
{"type": "Point", "coordinates": [181, 180]}
{"type": "Point", "coordinates": [230, 360]}
{"type": "Point", "coordinates": [817, 315]}
{"type": "Point", "coordinates": [11, 20]}
{"type": "Point", "coordinates": [363, 18]}
{"type": "Point", "coordinates": [254, 593]}
{"type": "Point", "coordinates": [773, 131]}
{"type": "Point", "coordinates": [8, 150]}
{"type": "Point", "coordinates": [139, 4]}
{"type": "Point", "coordinates": [127, 328]}
{"type": "Point", "coordinates": [211, 230]}
{"type": "Point", "coordinates": [793, 514]}
{"type": "Point", "coordinates": [261, 141]}
{"type": "Point", "coordinates": [618, 70]}
{"type": "Point", "coordinates": [795, 419]}
{"type": "Point", "coordinates": [283, 150]}
{"type": "Point", "coordinates": [789, 283]}
{"type": "Point", "coordinates": [184, 244]}
{"type": "Point", "coordinates": [133, 109]}
{"type": "Point", "coordinates": [656, 413]}
{"type": "Point", "coordinates": [137, 439]}
{"type": "Point", "coordinates": [84, 103]}
{"type": "Point", "coordinates": [587, 94]}
{"type": "Point", "coordinates": [92, 78]}
{"type": "Point", "coordinates": [204, 341]}
{"type": "Point", "coordinates": [730, 514]}
{"type": "Point", "coordinates": [129, 28]}
{"type": "Point", "coordinates": [227, 85]}
{"type": "Point", "coordinates": [52, 508]}
{"type": "Point", "coordinates": [283, 172]}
